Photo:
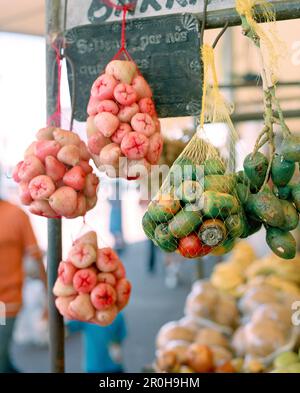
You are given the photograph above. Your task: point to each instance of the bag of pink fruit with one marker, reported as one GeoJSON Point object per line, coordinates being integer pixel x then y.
{"type": "Point", "coordinates": [55, 177]}
{"type": "Point", "coordinates": [91, 283]}
{"type": "Point", "coordinates": [123, 129]}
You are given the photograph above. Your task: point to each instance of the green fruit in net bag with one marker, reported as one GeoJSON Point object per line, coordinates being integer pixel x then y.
{"type": "Point", "coordinates": [163, 209]}
{"type": "Point", "coordinates": [212, 232]}
{"type": "Point", "coordinates": [220, 183]}
{"type": "Point", "coordinates": [255, 167]}
{"type": "Point", "coordinates": [296, 196]}
{"type": "Point", "coordinates": [282, 171]}
{"type": "Point", "coordinates": [286, 359]}
{"type": "Point", "coordinates": [148, 226]}
{"type": "Point", "coordinates": [241, 177]}
{"type": "Point", "coordinates": [282, 243]}
{"type": "Point", "coordinates": [164, 238]}
{"type": "Point", "coordinates": [251, 226]}
{"type": "Point", "coordinates": [242, 192]}
{"type": "Point", "coordinates": [236, 225]}
{"type": "Point", "coordinates": [283, 192]}
{"type": "Point", "coordinates": [290, 148]}
{"type": "Point", "coordinates": [218, 204]}
{"type": "Point", "coordinates": [192, 247]}
{"type": "Point", "coordinates": [213, 166]}
{"type": "Point", "coordinates": [185, 222]}
{"type": "Point", "coordinates": [184, 169]}
{"type": "Point", "coordinates": [189, 191]}
{"type": "Point", "coordinates": [224, 248]}
{"type": "Point", "coordinates": [291, 216]}
{"type": "Point", "coordinates": [265, 206]}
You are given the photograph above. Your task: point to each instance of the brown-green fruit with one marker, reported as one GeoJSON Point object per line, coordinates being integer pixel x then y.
{"type": "Point", "coordinates": [218, 204]}
{"type": "Point", "coordinates": [291, 216]}
{"type": "Point", "coordinates": [290, 148]}
{"type": "Point", "coordinates": [164, 238]}
{"type": "Point", "coordinates": [296, 196]}
{"type": "Point", "coordinates": [266, 207]}
{"type": "Point", "coordinates": [251, 226]}
{"type": "Point", "coordinates": [184, 169]}
{"type": "Point", "coordinates": [148, 226]}
{"type": "Point", "coordinates": [212, 232]}
{"type": "Point", "coordinates": [224, 248]}
{"type": "Point", "coordinates": [220, 183]}
{"type": "Point", "coordinates": [241, 177]}
{"type": "Point", "coordinates": [255, 167]}
{"type": "Point", "coordinates": [235, 225]}
{"type": "Point", "coordinates": [282, 171]}
{"type": "Point", "coordinates": [189, 191]}
{"type": "Point", "coordinates": [163, 209]}
{"type": "Point", "coordinates": [283, 192]}
{"type": "Point", "coordinates": [242, 192]}
{"type": "Point", "coordinates": [214, 166]}
{"type": "Point", "coordinates": [185, 222]}
{"type": "Point", "coordinates": [282, 243]}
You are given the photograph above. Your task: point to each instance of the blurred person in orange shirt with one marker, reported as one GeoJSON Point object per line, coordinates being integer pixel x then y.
{"type": "Point", "coordinates": [17, 240]}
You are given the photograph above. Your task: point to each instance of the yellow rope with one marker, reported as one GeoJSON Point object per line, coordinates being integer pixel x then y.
{"type": "Point", "coordinates": [271, 44]}
{"type": "Point", "coordinates": [206, 59]}
{"type": "Point", "coordinates": [215, 109]}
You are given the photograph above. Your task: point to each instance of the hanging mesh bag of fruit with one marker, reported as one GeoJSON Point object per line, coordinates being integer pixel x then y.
{"type": "Point", "coordinates": [276, 206]}
{"type": "Point", "coordinates": [91, 285]}
{"type": "Point", "coordinates": [55, 178]}
{"type": "Point", "coordinates": [197, 210]}
{"type": "Point", "coordinates": [123, 129]}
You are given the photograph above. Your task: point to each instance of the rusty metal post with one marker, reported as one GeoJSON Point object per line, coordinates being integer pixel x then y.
{"type": "Point", "coordinates": [54, 253]}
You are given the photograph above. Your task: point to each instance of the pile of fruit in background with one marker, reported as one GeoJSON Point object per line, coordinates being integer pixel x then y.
{"type": "Point", "coordinates": [122, 121]}
{"type": "Point", "coordinates": [238, 321]}
{"type": "Point", "coordinates": [55, 178]}
{"type": "Point", "coordinates": [91, 284]}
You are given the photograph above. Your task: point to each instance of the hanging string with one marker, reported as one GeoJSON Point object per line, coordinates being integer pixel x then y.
{"type": "Point", "coordinates": [273, 47]}
{"type": "Point", "coordinates": [124, 8]}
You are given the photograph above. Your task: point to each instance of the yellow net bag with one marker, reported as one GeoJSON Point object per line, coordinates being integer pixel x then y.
{"type": "Point", "coordinates": [197, 210]}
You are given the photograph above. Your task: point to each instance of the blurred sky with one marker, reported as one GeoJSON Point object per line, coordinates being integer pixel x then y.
{"type": "Point", "coordinates": [22, 93]}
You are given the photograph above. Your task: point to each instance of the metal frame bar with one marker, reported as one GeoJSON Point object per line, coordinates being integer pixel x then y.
{"type": "Point", "coordinates": [285, 10]}
{"type": "Point", "coordinates": [242, 117]}
{"type": "Point", "coordinates": [54, 252]}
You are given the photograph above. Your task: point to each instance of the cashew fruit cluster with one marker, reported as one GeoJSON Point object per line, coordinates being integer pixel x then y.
{"type": "Point", "coordinates": [276, 207]}
{"type": "Point", "coordinates": [55, 178]}
{"type": "Point", "coordinates": [199, 213]}
{"type": "Point", "coordinates": [122, 121]}
{"type": "Point", "coordinates": [185, 347]}
{"type": "Point", "coordinates": [91, 284]}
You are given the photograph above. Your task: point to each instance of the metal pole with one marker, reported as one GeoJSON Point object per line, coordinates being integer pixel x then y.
{"type": "Point", "coordinates": [54, 254]}
{"type": "Point", "coordinates": [242, 117]}
{"type": "Point", "coordinates": [285, 9]}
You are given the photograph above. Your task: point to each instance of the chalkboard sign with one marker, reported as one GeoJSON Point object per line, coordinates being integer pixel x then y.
{"type": "Point", "coordinates": [166, 50]}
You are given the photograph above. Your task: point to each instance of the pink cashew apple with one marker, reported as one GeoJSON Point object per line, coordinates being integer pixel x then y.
{"type": "Point", "coordinates": [103, 296]}
{"type": "Point", "coordinates": [82, 255]}
{"type": "Point", "coordinates": [64, 201]}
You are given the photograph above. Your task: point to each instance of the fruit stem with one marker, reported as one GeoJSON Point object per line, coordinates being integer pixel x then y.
{"type": "Point", "coordinates": [285, 129]}
{"type": "Point", "coordinates": [269, 125]}
{"type": "Point", "coordinates": [270, 97]}
{"type": "Point", "coordinates": [259, 141]}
